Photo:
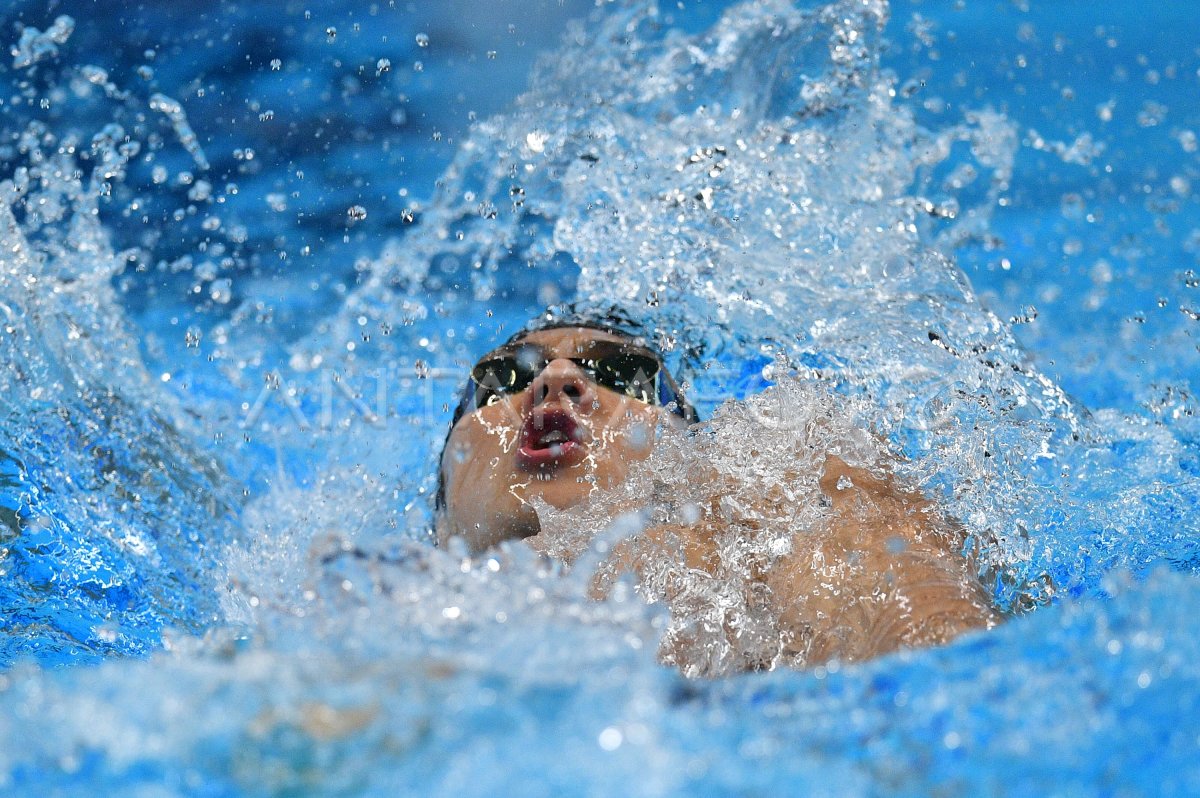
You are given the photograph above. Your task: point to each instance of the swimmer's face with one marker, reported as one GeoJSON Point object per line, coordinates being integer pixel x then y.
{"type": "Point", "coordinates": [559, 439]}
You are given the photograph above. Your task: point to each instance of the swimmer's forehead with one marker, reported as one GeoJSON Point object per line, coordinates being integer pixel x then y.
{"type": "Point", "coordinates": [566, 341]}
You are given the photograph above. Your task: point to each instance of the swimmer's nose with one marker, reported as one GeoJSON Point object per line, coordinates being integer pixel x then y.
{"type": "Point", "coordinates": [563, 381]}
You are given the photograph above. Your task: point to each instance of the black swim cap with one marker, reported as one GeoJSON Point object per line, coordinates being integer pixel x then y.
{"type": "Point", "coordinates": [610, 319]}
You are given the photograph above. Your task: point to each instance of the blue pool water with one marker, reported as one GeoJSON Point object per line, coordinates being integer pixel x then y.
{"type": "Point", "coordinates": [247, 252]}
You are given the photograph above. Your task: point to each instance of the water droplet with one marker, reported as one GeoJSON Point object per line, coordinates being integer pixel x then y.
{"type": "Point", "coordinates": [356, 213]}
{"type": "Point", "coordinates": [201, 191]}
{"type": "Point", "coordinates": [221, 291]}
{"type": "Point", "coordinates": [535, 140]}
{"type": "Point", "coordinates": [1072, 206]}
{"type": "Point", "coordinates": [331, 34]}
{"type": "Point", "coordinates": [422, 40]}
{"type": "Point", "coordinates": [382, 65]}
{"type": "Point", "coordinates": [1151, 114]}
{"type": "Point", "coordinates": [611, 738]}
{"type": "Point", "coordinates": [205, 270]}
{"type": "Point", "coordinates": [276, 64]}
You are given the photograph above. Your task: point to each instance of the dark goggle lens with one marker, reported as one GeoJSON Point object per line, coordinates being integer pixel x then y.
{"type": "Point", "coordinates": [497, 377]}
{"type": "Point", "coordinates": [630, 373]}
{"type": "Point", "coordinates": [623, 371]}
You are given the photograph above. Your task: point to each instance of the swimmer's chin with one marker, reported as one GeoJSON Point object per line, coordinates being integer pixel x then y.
{"type": "Point", "coordinates": [480, 537]}
{"type": "Point", "coordinates": [521, 522]}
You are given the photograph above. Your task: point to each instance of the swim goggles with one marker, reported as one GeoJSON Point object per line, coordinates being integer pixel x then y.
{"type": "Point", "coordinates": [620, 367]}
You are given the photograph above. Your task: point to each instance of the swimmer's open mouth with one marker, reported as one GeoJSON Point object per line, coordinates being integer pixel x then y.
{"type": "Point", "coordinates": [549, 437]}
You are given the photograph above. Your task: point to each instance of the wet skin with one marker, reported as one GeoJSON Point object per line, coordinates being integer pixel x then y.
{"type": "Point", "coordinates": [885, 572]}
{"type": "Point", "coordinates": [559, 440]}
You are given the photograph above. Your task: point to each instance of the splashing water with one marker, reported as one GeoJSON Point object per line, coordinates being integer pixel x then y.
{"type": "Point", "coordinates": [112, 517]}
{"type": "Point", "coordinates": [745, 220]}
{"type": "Point", "coordinates": [764, 194]}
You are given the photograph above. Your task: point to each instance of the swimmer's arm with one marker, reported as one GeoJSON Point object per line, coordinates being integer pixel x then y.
{"type": "Point", "coordinates": [888, 572]}
{"type": "Point", "coordinates": [885, 572]}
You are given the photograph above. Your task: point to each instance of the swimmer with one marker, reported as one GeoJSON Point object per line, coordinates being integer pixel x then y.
{"type": "Point", "coordinates": [560, 415]}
